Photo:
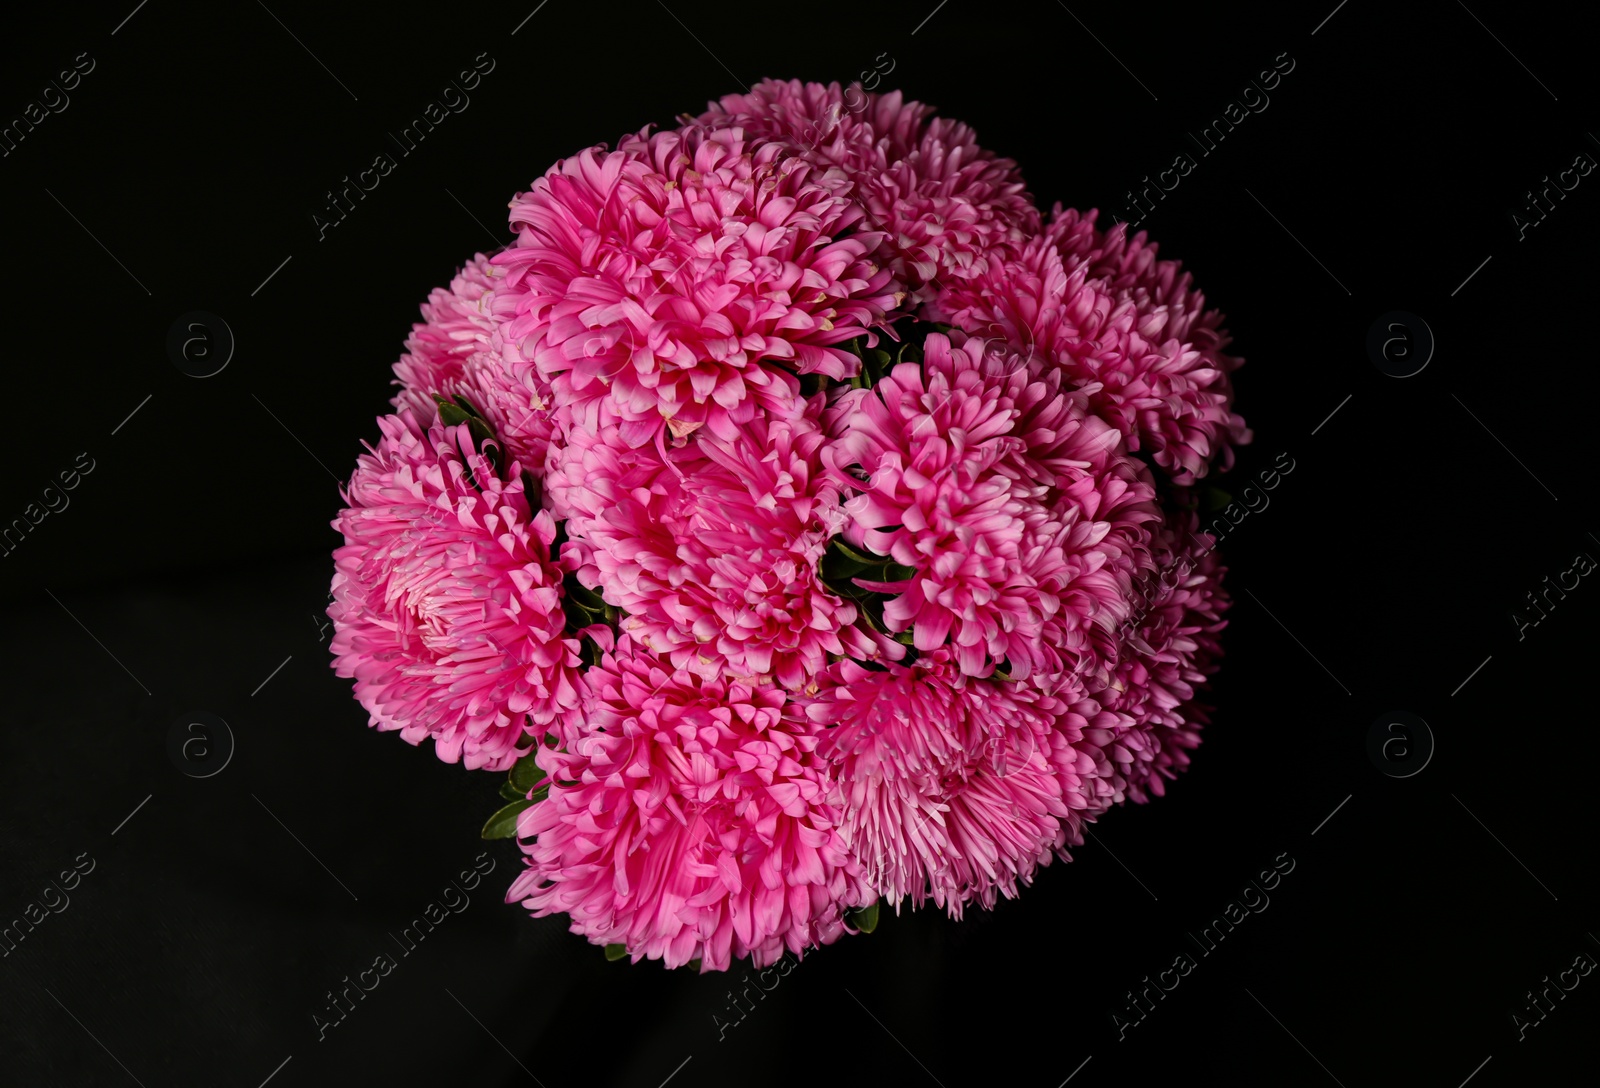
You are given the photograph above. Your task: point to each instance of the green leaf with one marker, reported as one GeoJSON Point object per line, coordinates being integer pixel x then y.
{"type": "Point", "coordinates": [511, 793]}
{"type": "Point", "coordinates": [838, 568]}
{"type": "Point", "coordinates": [480, 430]}
{"type": "Point", "coordinates": [450, 414]}
{"type": "Point", "coordinates": [1214, 498]}
{"type": "Point", "coordinates": [863, 920]}
{"type": "Point", "coordinates": [526, 740]}
{"type": "Point", "coordinates": [841, 562]}
{"type": "Point", "coordinates": [693, 965]}
{"type": "Point", "coordinates": [525, 774]}
{"type": "Point", "coordinates": [461, 410]}
{"type": "Point", "coordinates": [866, 559]}
{"type": "Point", "coordinates": [875, 364]}
{"type": "Point", "coordinates": [616, 952]}
{"type": "Point", "coordinates": [871, 609]}
{"type": "Point", "coordinates": [582, 605]}
{"type": "Point", "coordinates": [588, 598]}
{"type": "Point", "coordinates": [846, 589]}
{"type": "Point", "coordinates": [487, 444]}
{"type": "Point", "coordinates": [588, 652]}
{"type": "Point", "coordinates": [503, 824]}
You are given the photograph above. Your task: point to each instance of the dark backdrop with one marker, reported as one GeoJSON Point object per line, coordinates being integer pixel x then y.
{"type": "Point", "coordinates": [209, 917]}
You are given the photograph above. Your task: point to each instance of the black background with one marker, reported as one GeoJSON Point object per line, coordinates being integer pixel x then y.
{"type": "Point", "coordinates": [193, 559]}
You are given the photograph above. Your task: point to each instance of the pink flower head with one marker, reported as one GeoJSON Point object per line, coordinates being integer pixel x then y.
{"type": "Point", "coordinates": [1005, 565]}
{"type": "Point", "coordinates": [447, 609]}
{"type": "Point", "coordinates": [1188, 365]}
{"type": "Point", "coordinates": [953, 208]}
{"type": "Point", "coordinates": [813, 120]}
{"type": "Point", "coordinates": [676, 276]}
{"type": "Point", "coordinates": [714, 552]}
{"type": "Point", "coordinates": [687, 819]}
{"type": "Point", "coordinates": [946, 785]}
{"type": "Point", "coordinates": [948, 206]}
{"type": "Point", "coordinates": [1091, 781]}
{"type": "Point", "coordinates": [515, 399]}
{"type": "Point", "coordinates": [1168, 395]}
{"type": "Point", "coordinates": [457, 321]}
{"type": "Point", "coordinates": [1171, 647]}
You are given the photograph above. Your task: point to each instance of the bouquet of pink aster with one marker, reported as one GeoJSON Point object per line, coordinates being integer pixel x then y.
{"type": "Point", "coordinates": [801, 519]}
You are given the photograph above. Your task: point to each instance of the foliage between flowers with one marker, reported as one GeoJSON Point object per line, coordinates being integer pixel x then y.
{"type": "Point", "coordinates": [800, 520]}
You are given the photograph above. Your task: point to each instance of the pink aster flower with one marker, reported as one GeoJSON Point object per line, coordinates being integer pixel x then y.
{"type": "Point", "coordinates": [953, 208]}
{"type": "Point", "coordinates": [1171, 647]}
{"type": "Point", "coordinates": [1090, 778]}
{"type": "Point", "coordinates": [687, 819]}
{"type": "Point", "coordinates": [457, 321]}
{"type": "Point", "coordinates": [948, 206]}
{"type": "Point", "coordinates": [714, 552]}
{"type": "Point", "coordinates": [1173, 319]}
{"type": "Point", "coordinates": [677, 277]}
{"type": "Point", "coordinates": [947, 786]}
{"type": "Point", "coordinates": [447, 609]}
{"type": "Point", "coordinates": [1169, 396]}
{"type": "Point", "coordinates": [1006, 561]}
{"type": "Point", "coordinates": [809, 119]}
{"type": "Point", "coordinates": [516, 400]}
{"type": "Point", "coordinates": [458, 350]}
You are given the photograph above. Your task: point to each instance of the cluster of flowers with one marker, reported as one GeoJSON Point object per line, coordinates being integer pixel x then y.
{"type": "Point", "coordinates": [805, 520]}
